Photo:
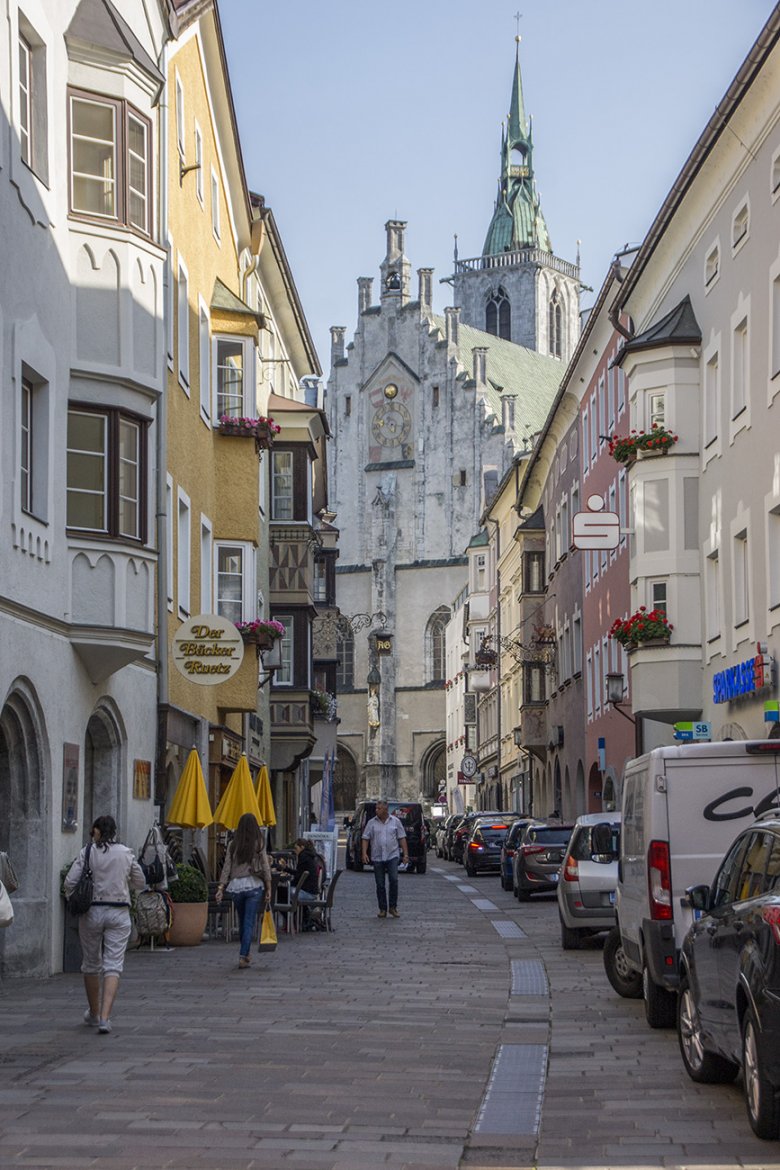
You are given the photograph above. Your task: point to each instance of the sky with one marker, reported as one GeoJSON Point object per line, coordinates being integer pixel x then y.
{"type": "Point", "coordinates": [355, 112]}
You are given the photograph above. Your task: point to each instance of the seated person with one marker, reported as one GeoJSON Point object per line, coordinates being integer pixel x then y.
{"type": "Point", "coordinates": [310, 864]}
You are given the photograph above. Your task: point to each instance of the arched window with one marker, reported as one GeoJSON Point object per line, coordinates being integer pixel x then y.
{"type": "Point", "coordinates": [435, 669]}
{"type": "Point", "coordinates": [555, 325]}
{"type": "Point", "coordinates": [345, 654]}
{"type": "Point", "coordinates": [498, 315]}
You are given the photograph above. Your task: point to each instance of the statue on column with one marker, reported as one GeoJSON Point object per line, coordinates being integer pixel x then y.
{"type": "Point", "coordinates": [373, 709]}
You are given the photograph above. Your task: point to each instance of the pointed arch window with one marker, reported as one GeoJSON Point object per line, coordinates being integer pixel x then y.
{"type": "Point", "coordinates": [555, 325]}
{"type": "Point", "coordinates": [345, 657]}
{"type": "Point", "coordinates": [435, 660]}
{"type": "Point", "coordinates": [498, 315]}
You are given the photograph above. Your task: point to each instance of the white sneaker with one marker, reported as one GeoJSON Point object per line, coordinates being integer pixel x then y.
{"type": "Point", "coordinates": [90, 1020]}
{"type": "Point", "coordinates": [104, 1027]}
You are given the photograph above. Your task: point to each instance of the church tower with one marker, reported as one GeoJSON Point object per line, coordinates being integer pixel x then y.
{"type": "Point", "coordinates": [518, 289]}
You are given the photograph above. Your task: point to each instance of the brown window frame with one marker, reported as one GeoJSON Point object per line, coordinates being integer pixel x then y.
{"type": "Point", "coordinates": [114, 416]}
{"type": "Point", "coordinates": [123, 110]}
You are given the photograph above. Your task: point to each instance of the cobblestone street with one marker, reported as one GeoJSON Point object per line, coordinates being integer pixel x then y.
{"type": "Point", "coordinates": [370, 1047]}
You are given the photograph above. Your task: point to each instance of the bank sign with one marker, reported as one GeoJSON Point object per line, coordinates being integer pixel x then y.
{"type": "Point", "coordinates": [746, 678]}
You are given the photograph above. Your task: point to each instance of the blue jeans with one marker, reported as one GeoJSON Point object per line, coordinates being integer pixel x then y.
{"type": "Point", "coordinates": [247, 904]}
{"type": "Point", "coordinates": [390, 869]}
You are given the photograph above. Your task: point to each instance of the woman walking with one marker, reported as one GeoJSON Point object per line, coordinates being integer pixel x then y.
{"type": "Point", "coordinates": [104, 930]}
{"type": "Point", "coordinates": [246, 875]}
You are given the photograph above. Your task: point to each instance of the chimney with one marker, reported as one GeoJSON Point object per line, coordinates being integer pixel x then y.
{"type": "Point", "coordinates": [452, 323]}
{"type": "Point", "coordinates": [337, 335]}
{"type": "Point", "coordinates": [425, 296]}
{"type": "Point", "coordinates": [365, 286]}
{"type": "Point", "coordinates": [479, 353]}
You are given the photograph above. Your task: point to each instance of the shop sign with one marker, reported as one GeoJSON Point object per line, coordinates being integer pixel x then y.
{"type": "Point", "coordinates": [208, 649]}
{"type": "Point", "coordinates": [384, 644]}
{"type": "Point", "coordinates": [745, 678]}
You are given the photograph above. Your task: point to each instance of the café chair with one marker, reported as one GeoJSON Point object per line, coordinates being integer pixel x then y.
{"type": "Point", "coordinates": [325, 905]}
{"type": "Point", "coordinates": [288, 911]}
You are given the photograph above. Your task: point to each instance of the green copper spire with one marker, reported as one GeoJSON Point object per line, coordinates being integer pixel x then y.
{"type": "Point", "coordinates": [517, 220]}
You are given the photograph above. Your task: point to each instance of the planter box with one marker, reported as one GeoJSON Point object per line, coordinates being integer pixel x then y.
{"type": "Point", "coordinates": [261, 433]}
{"type": "Point", "coordinates": [643, 453]}
{"type": "Point", "coordinates": [189, 923]}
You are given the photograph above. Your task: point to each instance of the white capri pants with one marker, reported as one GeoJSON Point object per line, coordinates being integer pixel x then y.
{"type": "Point", "coordinates": [104, 932]}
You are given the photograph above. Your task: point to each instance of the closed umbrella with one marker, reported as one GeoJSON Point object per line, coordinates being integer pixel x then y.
{"type": "Point", "coordinates": [238, 798]}
{"type": "Point", "coordinates": [264, 799]}
{"type": "Point", "coordinates": [190, 805]}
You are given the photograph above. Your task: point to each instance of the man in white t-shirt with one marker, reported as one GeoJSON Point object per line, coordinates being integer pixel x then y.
{"type": "Point", "coordinates": [385, 834]}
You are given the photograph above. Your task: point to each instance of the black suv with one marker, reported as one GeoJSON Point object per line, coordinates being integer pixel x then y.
{"type": "Point", "coordinates": [728, 1006]}
{"type": "Point", "coordinates": [411, 817]}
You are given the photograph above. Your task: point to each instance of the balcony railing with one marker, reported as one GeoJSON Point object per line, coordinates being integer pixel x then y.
{"type": "Point", "coordinates": [521, 256]}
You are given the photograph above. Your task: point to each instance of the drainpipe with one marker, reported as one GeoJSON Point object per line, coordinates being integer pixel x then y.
{"type": "Point", "coordinates": [616, 272]}
{"type": "Point", "coordinates": [162, 517]}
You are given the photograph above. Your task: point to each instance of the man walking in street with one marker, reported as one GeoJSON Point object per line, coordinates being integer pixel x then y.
{"type": "Point", "coordinates": [385, 834]}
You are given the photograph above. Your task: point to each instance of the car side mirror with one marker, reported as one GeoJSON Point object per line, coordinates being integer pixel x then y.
{"type": "Point", "coordinates": [698, 898]}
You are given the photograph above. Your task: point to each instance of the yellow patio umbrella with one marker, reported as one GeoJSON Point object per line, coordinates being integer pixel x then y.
{"type": "Point", "coordinates": [190, 805]}
{"type": "Point", "coordinates": [264, 799]}
{"type": "Point", "coordinates": [238, 798]}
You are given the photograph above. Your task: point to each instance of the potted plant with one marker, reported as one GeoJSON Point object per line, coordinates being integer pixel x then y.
{"type": "Point", "coordinates": [261, 428]}
{"type": "Point", "coordinates": [642, 627]}
{"type": "Point", "coordinates": [261, 632]}
{"type": "Point", "coordinates": [641, 444]}
{"type": "Point", "coordinates": [190, 896]}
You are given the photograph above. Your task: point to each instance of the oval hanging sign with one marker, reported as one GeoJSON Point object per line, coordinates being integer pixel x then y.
{"type": "Point", "coordinates": [207, 649]}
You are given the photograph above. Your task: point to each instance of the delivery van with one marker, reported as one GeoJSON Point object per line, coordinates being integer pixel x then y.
{"type": "Point", "coordinates": [681, 809]}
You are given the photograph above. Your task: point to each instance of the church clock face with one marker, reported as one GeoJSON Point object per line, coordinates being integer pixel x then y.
{"type": "Point", "coordinates": [391, 424]}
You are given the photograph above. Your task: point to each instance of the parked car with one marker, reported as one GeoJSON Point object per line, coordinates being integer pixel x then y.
{"type": "Point", "coordinates": [509, 847]}
{"type": "Point", "coordinates": [728, 1005]}
{"type": "Point", "coordinates": [537, 862]}
{"type": "Point", "coordinates": [409, 814]}
{"type": "Point", "coordinates": [586, 888]}
{"type": "Point", "coordinates": [483, 848]}
{"type": "Point", "coordinates": [452, 825]}
{"type": "Point", "coordinates": [463, 832]}
{"type": "Point", "coordinates": [440, 833]}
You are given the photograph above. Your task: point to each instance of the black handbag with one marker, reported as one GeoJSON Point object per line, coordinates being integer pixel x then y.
{"type": "Point", "coordinates": [81, 898]}
{"type": "Point", "coordinates": [153, 871]}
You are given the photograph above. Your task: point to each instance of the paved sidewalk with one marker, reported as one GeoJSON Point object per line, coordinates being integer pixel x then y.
{"type": "Point", "coordinates": [368, 1048]}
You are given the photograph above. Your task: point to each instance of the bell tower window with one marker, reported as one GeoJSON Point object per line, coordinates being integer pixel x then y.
{"type": "Point", "coordinates": [555, 325]}
{"type": "Point", "coordinates": [498, 315]}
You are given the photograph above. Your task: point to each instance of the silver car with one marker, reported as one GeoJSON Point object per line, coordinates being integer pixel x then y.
{"type": "Point", "coordinates": [586, 890]}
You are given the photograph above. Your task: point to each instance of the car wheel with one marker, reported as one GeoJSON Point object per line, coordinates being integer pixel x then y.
{"type": "Point", "coordinates": [523, 895]}
{"type": "Point", "coordinates": [660, 1004]}
{"type": "Point", "coordinates": [624, 979]}
{"type": "Point", "coordinates": [470, 871]}
{"type": "Point", "coordinates": [707, 1068]}
{"type": "Point", "coordinates": [570, 938]}
{"type": "Point", "coordinates": [763, 1102]}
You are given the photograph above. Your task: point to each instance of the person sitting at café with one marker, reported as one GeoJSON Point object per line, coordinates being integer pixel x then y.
{"type": "Point", "coordinates": [309, 863]}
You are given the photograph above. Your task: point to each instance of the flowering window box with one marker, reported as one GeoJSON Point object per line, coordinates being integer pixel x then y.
{"type": "Point", "coordinates": [261, 429]}
{"type": "Point", "coordinates": [643, 628]}
{"type": "Point", "coordinates": [260, 633]}
{"type": "Point", "coordinates": [641, 444]}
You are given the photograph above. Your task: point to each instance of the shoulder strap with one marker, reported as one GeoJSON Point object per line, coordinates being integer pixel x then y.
{"type": "Point", "coordinates": [87, 868]}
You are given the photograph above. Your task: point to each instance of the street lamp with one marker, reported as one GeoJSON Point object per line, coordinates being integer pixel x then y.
{"type": "Point", "coordinates": [615, 684]}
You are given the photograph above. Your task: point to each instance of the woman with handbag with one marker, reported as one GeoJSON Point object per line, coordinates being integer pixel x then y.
{"type": "Point", "coordinates": [246, 875]}
{"type": "Point", "coordinates": [104, 929]}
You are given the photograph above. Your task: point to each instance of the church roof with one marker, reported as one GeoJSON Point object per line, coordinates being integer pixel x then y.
{"type": "Point", "coordinates": [511, 370]}
{"type": "Point", "coordinates": [517, 220]}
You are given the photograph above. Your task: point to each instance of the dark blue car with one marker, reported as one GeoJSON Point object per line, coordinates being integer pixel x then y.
{"type": "Point", "coordinates": [508, 850]}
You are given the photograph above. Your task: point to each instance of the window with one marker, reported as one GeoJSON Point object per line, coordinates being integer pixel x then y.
{"type": "Point", "coordinates": [656, 410]}
{"type": "Point", "coordinates": [658, 595]}
{"type": "Point", "coordinates": [602, 408]}
{"type": "Point", "coordinates": [741, 578]}
{"type": "Point", "coordinates": [621, 508]}
{"type": "Point", "coordinates": [284, 675]}
{"type": "Point", "coordinates": [320, 582]}
{"type": "Point", "coordinates": [25, 99]}
{"type": "Point", "coordinates": [282, 485]}
{"type": "Point", "coordinates": [204, 355]}
{"type": "Point", "coordinates": [345, 654]}
{"type": "Point", "coordinates": [621, 391]}
{"type": "Point", "coordinates": [774, 174]}
{"type": "Point", "coordinates": [555, 325]}
{"type": "Point", "coordinates": [533, 683]}
{"type": "Point", "coordinates": [105, 473]}
{"type": "Point", "coordinates": [576, 641]}
{"type": "Point", "coordinates": [235, 581]}
{"type": "Point", "coordinates": [435, 645]}
{"type": "Point", "coordinates": [462, 477]}
{"type": "Point", "coordinates": [594, 429]}
{"type": "Point", "coordinates": [198, 164]}
{"type": "Point", "coordinates": [183, 552]}
{"type": "Point", "coordinates": [739, 382]}
{"type": "Point", "coordinates": [533, 572]}
{"type": "Point", "coordinates": [712, 598]}
{"type": "Point", "coordinates": [169, 305]}
{"type": "Point", "coordinates": [498, 315]}
{"type": "Point", "coordinates": [775, 367]}
{"type": "Point", "coordinates": [109, 161]}
{"type": "Point", "coordinates": [740, 225]}
{"type": "Point", "coordinates": [773, 555]}
{"type": "Point", "coordinates": [206, 555]}
{"type": "Point", "coordinates": [565, 529]}
{"type": "Point", "coordinates": [183, 317]}
{"type": "Point", "coordinates": [230, 377]}
{"type": "Point", "coordinates": [711, 265]}
{"type": "Point", "coordinates": [215, 204]}
{"type": "Point", "coordinates": [711, 399]}
{"type": "Point", "coordinates": [585, 440]}
{"type": "Point", "coordinates": [291, 485]}
{"type": "Point", "coordinates": [26, 447]}
{"type": "Point", "coordinates": [611, 399]}
{"type": "Point", "coordinates": [589, 684]}
{"type": "Point", "coordinates": [724, 887]}
{"type": "Point", "coordinates": [180, 115]}
{"type": "Point", "coordinates": [347, 405]}
{"type": "Point", "coordinates": [597, 685]}
{"type": "Point", "coordinates": [612, 507]}
{"type": "Point", "coordinates": [481, 573]}
{"type": "Point", "coordinates": [435, 396]}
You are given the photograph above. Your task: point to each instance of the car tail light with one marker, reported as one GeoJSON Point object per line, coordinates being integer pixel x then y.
{"type": "Point", "coordinates": [771, 916]}
{"type": "Point", "coordinates": [528, 849]}
{"type": "Point", "coordinates": [474, 845]}
{"type": "Point", "coordinates": [510, 852]}
{"type": "Point", "coordinates": [571, 870]}
{"type": "Point", "coordinates": [659, 877]}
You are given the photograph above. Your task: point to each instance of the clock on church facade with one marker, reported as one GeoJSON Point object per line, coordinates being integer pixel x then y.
{"type": "Point", "coordinates": [391, 424]}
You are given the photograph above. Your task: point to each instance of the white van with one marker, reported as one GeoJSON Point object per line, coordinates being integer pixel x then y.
{"type": "Point", "coordinates": [682, 808]}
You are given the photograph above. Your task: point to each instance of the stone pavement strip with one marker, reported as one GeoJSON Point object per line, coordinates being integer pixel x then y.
{"type": "Point", "coordinates": [442, 1040]}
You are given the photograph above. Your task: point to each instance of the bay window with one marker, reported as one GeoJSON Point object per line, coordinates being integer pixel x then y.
{"type": "Point", "coordinates": [106, 452]}
{"type": "Point", "coordinates": [235, 579]}
{"type": "Point", "coordinates": [110, 151]}
{"type": "Point", "coordinates": [230, 363]}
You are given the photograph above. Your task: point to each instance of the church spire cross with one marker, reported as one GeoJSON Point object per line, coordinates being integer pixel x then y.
{"type": "Point", "coordinates": [518, 18]}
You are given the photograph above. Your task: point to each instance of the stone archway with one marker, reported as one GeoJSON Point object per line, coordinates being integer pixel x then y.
{"type": "Point", "coordinates": [433, 771]}
{"type": "Point", "coordinates": [581, 806]}
{"type": "Point", "coordinates": [345, 781]}
{"type": "Point", "coordinates": [24, 831]}
{"type": "Point", "coordinates": [103, 768]}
